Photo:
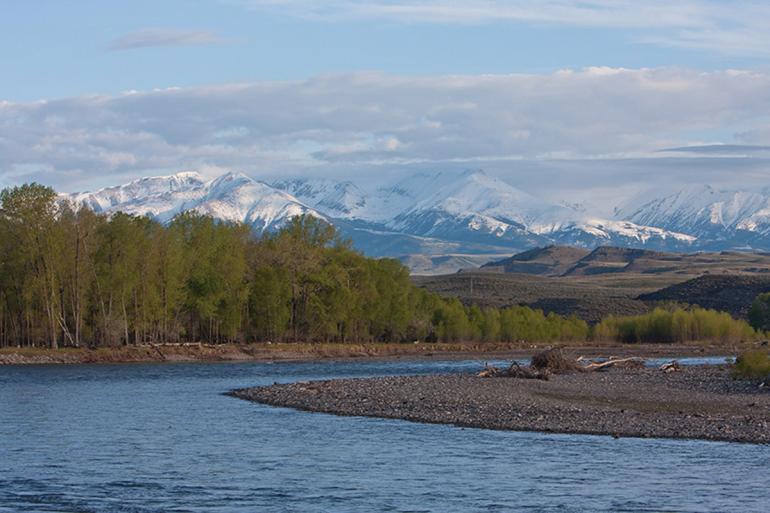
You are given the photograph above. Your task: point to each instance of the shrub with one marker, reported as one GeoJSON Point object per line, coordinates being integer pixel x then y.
{"type": "Point", "coordinates": [675, 326]}
{"type": "Point", "coordinates": [752, 365]}
{"type": "Point", "coordinates": [759, 314]}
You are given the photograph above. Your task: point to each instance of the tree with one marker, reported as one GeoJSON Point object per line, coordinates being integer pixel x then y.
{"type": "Point", "coordinates": [759, 314]}
{"type": "Point", "coordinates": [32, 246]}
{"type": "Point", "coordinates": [70, 275]}
{"type": "Point", "coordinates": [215, 290]}
{"type": "Point", "coordinates": [79, 228]}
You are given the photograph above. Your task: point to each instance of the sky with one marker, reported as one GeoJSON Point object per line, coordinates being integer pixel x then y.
{"type": "Point", "coordinates": [582, 101]}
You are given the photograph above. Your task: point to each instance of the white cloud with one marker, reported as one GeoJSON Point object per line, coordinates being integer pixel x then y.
{"type": "Point", "coordinates": [728, 26]}
{"type": "Point", "coordinates": [152, 37]}
{"type": "Point", "coordinates": [369, 120]}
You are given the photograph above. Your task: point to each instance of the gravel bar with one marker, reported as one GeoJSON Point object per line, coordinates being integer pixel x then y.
{"type": "Point", "coordinates": [700, 402]}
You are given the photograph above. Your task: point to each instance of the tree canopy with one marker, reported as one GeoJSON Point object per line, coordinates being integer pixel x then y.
{"type": "Point", "coordinates": [70, 277]}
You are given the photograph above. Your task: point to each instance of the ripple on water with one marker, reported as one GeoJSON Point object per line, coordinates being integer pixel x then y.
{"type": "Point", "coordinates": [163, 438]}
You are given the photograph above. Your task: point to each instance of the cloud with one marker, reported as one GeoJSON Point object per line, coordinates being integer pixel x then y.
{"type": "Point", "coordinates": [727, 26]}
{"type": "Point", "coordinates": [153, 37]}
{"type": "Point", "coordinates": [367, 121]}
{"type": "Point", "coordinates": [720, 149]}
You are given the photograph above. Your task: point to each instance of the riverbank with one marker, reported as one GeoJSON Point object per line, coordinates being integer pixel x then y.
{"type": "Point", "coordinates": [299, 352]}
{"type": "Point", "coordinates": [701, 402]}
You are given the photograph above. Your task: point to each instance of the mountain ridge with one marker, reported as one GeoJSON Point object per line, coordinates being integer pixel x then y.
{"type": "Point", "coordinates": [441, 213]}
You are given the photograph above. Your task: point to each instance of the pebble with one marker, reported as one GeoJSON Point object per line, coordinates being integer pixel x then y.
{"type": "Point", "coordinates": [699, 402]}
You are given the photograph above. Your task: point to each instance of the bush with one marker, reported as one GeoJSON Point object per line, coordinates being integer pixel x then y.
{"type": "Point", "coordinates": [759, 314]}
{"type": "Point", "coordinates": [675, 326]}
{"type": "Point", "coordinates": [752, 365]}
{"type": "Point", "coordinates": [554, 360]}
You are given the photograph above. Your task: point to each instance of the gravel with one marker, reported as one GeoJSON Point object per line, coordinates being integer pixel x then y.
{"type": "Point", "coordinates": [702, 402]}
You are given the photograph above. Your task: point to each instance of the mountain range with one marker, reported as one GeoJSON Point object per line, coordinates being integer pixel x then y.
{"type": "Point", "coordinates": [442, 220]}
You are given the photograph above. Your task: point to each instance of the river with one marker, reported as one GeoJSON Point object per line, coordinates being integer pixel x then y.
{"type": "Point", "coordinates": [144, 438]}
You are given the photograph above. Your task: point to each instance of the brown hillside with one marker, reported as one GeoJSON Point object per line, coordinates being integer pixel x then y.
{"type": "Point", "coordinates": [548, 261]}
{"type": "Point", "coordinates": [729, 293]}
{"type": "Point", "coordinates": [610, 280]}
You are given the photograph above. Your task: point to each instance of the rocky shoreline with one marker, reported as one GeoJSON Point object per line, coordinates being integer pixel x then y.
{"type": "Point", "coordinates": [698, 402]}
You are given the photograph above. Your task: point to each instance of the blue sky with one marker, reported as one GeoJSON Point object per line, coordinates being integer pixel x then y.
{"type": "Point", "coordinates": [96, 92]}
{"type": "Point", "coordinates": [54, 49]}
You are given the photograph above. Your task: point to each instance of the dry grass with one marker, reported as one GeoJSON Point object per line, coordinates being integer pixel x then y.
{"type": "Point", "coordinates": [302, 351]}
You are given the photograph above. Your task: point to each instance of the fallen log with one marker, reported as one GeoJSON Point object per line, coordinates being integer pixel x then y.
{"type": "Point", "coordinates": [632, 362]}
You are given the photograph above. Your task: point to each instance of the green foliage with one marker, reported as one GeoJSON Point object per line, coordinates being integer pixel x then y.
{"type": "Point", "coordinates": [31, 245]}
{"type": "Point", "coordinates": [675, 325]}
{"type": "Point", "coordinates": [75, 278]}
{"type": "Point", "coordinates": [521, 323]}
{"type": "Point", "coordinates": [752, 365]}
{"type": "Point", "coordinates": [759, 314]}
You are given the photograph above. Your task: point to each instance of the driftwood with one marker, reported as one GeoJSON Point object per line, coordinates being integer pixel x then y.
{"type": "Point", "coordinates": [673, 366]}
{"type": "Point", "coordinates": [157, 349]}
{"type": "Point", "coordinates": [627, 363]}
{"type": "Point", "coordinates": [514, 371]}
{"type": "Point", "coordinates": [553, 361]}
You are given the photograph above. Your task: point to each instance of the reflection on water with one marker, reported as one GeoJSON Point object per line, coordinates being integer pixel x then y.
{"type": "Point", "coordinates": [163, 438]}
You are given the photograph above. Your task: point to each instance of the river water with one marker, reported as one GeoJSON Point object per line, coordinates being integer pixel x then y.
{"type": "Point", "coordinates": [162, 438]}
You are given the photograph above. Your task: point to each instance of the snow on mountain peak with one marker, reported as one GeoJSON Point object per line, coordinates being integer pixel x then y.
{"type": "Point", "coordinates": [437, 209]}
{"type": "Point", "coordinates": [699, 210]}
{"type": "Point", "coordinates": [232, 196]}
{"type": "Point", "coordinates": [341, 199]}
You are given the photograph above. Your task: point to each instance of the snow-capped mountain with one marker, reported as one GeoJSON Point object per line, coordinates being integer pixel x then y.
{"type": "Point", "coordinates": [719, 219]}
{"type": "Point", "coordinates": [442, 213]}
{"type": "Point", "coordinates": [472, 208]}
{"type": "Point", "coordinates": [341, 199]}
{"type": "Point", "coordinates": [230, 197]}
{"type": "Point", "coordinates": [446, 213]}
{"type": "Point", "coordinates": [478, 207]}
{"type": "Point", "coordinates": [480, 202]}
{"type": "Point", "coordinates": [157, 196]}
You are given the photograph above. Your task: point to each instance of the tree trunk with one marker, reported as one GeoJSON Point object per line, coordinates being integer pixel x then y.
{"type": "Point", "coordinates": [125, 319]}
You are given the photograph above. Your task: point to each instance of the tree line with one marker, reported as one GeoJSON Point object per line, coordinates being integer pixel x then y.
{"type": "Point", "coordinates": [71, 277]}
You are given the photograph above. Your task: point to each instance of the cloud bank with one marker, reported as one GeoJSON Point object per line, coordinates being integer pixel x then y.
{"type": "Point", "coordinates": [365, 121]}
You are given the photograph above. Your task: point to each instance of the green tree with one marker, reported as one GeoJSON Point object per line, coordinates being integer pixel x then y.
{"type": "Point", "coordinates": [32, 247]}
{"type": "Point", "coordinates": [117, 263]}
{"type": "Point", "coordinates": [759, 313]}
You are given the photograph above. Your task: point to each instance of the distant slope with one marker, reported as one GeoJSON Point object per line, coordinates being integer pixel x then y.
{"type": "Point", "coordinates": [611, 260]}
{"type": "Point", "coordinates": [443, 264]}
{"type": "Point", "coordinates": [609, 280]}
{"type": "Point", "coordinates": [729, 293]}
{"type": "Point", "coordinates": [564, 296]}
{"type": "Point", "coordinates": [570, 261]}
{"type": "Point", "coordinates": [547, 261]}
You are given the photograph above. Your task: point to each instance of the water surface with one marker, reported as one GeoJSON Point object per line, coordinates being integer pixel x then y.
{"type": "Point", "coordinates": [162, 438]}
